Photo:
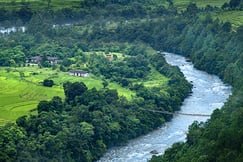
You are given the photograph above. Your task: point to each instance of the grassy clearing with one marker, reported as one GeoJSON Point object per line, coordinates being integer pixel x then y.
{"type": "Point", "coordinates": [234, 17]}
{"type": "Point", "coordinates": [155, 79]}
{"type": "Point", "coordinates": [182, 4]}
{"type": "Point", "coordinates": [40, 4]}
{"type": "Point", "coordinates": [20, 95]}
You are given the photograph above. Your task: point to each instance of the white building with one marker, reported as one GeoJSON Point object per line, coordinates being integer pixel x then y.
{"type": "Point", "coordinates": [79, 73]}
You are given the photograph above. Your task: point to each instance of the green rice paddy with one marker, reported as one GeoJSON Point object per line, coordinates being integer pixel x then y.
{"type": "Point", "coordinates": [234, 17]}
{"type": "Point", "coordinates": [39, 4]}
{"type": "Point", "coordinates": [19, 95]}
{"type": "Point", "coordinates": [182, 4]}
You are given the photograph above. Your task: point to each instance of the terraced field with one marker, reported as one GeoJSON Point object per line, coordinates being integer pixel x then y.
{"type": "Point", "coordinates": [19, 95]}
{"type": "Point", "coordinates": [182, 4]}
{"type": "Point", "coordinates": [39, 4]}
{"type": "Point", "coordinates": [234, 17]}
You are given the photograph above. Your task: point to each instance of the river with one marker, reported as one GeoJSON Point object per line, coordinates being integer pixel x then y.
{"type": "Point", "coordinates": [209, 93]}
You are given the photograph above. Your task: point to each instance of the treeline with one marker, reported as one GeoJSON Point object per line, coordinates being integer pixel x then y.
{"type": "Point", "coordinates": [20, 13]}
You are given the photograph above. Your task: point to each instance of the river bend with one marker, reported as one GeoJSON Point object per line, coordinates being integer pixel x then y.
{"type": "Point", "coordinates": [209, 93]}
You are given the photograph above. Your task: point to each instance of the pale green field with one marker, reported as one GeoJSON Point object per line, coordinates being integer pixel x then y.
{"type": "Point", "coordinates": [155, 79]}
{"type": "Point", "coordinates": [40, 4]}
{"type": "Point", "coordinates": [234, 17]}
{"type": "Point", "coordinates": [20, 95]}
{"type": "Point", "coordinates": [182, 4]}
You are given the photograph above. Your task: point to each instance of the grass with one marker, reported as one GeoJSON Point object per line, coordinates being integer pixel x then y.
{"type": "Point", "coordinates": [155, 79]}
{"type": "Point", "coordinates": [182, 4]}
{"type": "Point", "coordinates": [234, 17]}
{"type": "Point", "coordinates": [58, 4]}
{"type": "Point", "coordinates": [20, 95]}
{"type": "Point", "coordinates": [40, 4]}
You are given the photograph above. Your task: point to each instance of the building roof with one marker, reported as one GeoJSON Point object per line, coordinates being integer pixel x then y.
{"type": "Point", "coordinates": [36, 58]}
{"type": "Point", "coordinates": [52, 58]}
{"type": "Point", "coordinates": [40, 58]}
{"type": "Point", "coordinates": [79, 71]}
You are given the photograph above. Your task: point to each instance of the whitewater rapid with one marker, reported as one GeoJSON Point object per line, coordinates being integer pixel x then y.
{"type": "Point", "coordinates": [208, 93]}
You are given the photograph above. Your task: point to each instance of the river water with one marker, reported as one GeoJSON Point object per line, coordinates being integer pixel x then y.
{"type": "Point", "coordinates": [209, 93]}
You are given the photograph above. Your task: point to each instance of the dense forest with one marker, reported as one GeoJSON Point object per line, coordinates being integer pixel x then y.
{"type": "Point", "coordinates": [88, 121]}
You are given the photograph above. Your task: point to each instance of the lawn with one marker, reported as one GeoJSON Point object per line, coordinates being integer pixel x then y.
{"type": "Point", "coordinates": [19, 95]}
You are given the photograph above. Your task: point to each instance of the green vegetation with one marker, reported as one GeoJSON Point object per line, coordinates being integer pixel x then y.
{"type": "Point", "coordinates": [182, 4]}
{"type": "Point", "coordinates": [39, 4]}
{"type": "Point", "coordinates": [215, 48]}
{"type": "Point", "coordinates": [234, 17]}
{"type": "Point", "coordinates": [83, 123]}
{"type": "Point", "coordinates": [19, 95]}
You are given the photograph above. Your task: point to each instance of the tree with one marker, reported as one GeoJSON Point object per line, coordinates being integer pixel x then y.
{"type": "Point", "coordinates": [105, 83]}
{"type": "Point", "coordinates": [43, 106]}
{"type": "Point", "coordinates": [56, 103]}
{"type": "Point", "coordinates": [234, 3]}
{"type": "Point", "coordinates": [191, 10]}
{"type": "Point", "coordinates": [227, 27]}
{"type": "Point", "coordinates": [48, 83]}
{"type": "Point", "coordinates": [22, 121]}
{"type": "Point", "coordinates": [72, 90]}
{"type": "Point", "coordinates": [11, 138]}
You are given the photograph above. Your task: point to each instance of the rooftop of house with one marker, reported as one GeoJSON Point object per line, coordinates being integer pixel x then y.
{"type": "Point", "coordinates": [79, 71]}
{"type": "Point", "coordinates": [40, 57]}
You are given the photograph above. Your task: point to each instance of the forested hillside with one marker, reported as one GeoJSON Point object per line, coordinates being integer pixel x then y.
{"type": "Point", "coordinates": [88, 121]}
{"type": "Point", "coordinates": [216, 49]}
{"type": "Point", "coordinates": [83, 124]}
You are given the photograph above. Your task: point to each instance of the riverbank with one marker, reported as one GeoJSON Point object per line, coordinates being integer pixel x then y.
{"type": "Point", "coordinates": [209, 93]}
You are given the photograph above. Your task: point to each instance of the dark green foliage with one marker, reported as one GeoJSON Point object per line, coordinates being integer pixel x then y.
{"type": "Point", "coordinates": [215, 49]}
{"type": "Point", "coordinates": [90, 121]}
{"type": "Point", "coordinates": [73, 90]}
{"type": "Point", "coordinates": [235, 3]}
{"type": "Point", "coordinates": [105, 83]}
{"type": "Point", "coordinates": [83, 130]}
{"type": "Point", "coordinates": [48, 83]}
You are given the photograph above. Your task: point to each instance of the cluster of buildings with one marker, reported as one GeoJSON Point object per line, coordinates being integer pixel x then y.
{"type": "Point", "coordinates": [54, 60]}
{"type": "Point", "coordinates": [38, 59]}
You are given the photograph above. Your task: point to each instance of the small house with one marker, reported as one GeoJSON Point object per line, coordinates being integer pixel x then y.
{"type": "Point", "coordinates": [38, 59]}
{"type": "Point", "coordinates": [109, 56]}
{"type": "Point", "coordinates": [35, 59]}
{"type": "Point", "coordinates": [79, 73]}
{"type": "Point", "coordinates": [52, 60]}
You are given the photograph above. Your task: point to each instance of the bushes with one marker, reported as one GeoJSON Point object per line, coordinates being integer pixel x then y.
{"type": "Point", "coordinates": [48, 83]}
